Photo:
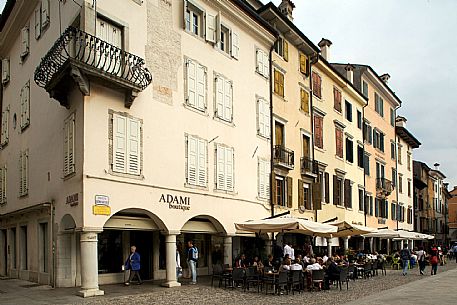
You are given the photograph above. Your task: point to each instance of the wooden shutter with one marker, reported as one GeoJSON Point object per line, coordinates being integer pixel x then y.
{"type": "Point", "coordinates": [69, 160]}
{"type": "Point", "coordinates": [220, 97]}
{"type": "Point", "coordinates": [37, 23]}
{"type": "Point", "coordinates": [202, 159]}
{"type": "Point", "coordinates": [347, 193]}
{"type": "Point", "coordinates": [327, 187]}
{"type": "Point", "coordinates": [303, 68]}
{"type": "Point", "coordinates": [304, 97]}
{"type": "Point", "coordinates": [25, 172]}
{"type": "Point", "coordinates": [274, 200]}
{"type": "Point", "coordinates": [339, 142]}
{"type": "Point", "coordinates": [335, 192]}
{"type": "Point", "coordinates": [5, 70]}
{"type": "Point", "coordinates": [44, 13]}
{"type": "Point", "coordinates": [235, 47]}
{"type": "Point", "coordinates": [276, 81]}
{"type": "Point", "coordinates": [286, 50]}
{"type": "Point", "coordinates": [210, 32]}
{"type": "Point", "coordinates": [317, 195]}
{"type": "Point", "coordinates": [261, 117]}
{"type": "Point", "coordinates": [119, 143]}
{"type": "Point", "coordinates": [134, 132]}
{"type": "Point", "coordinates": [318, 122]}
{"type": "Point", "coordinates": [3, 184]}
{"type": "Point", "coordinates": [301, 201]}
{"type": "Point", "coordinates": [228, 96]}
{"type": "Point", "coordinates": [25, 41]}
{"type": "Point", "coordinates": [191, 83]}
{"type": "Point", "coordinates": [192, 156]}
{"type": "Point", "coordinates": [289, 192]}
{"type": "Point", "coordinates": [376, 207]}
{"type": "Point", "coordinates": [21, 175]}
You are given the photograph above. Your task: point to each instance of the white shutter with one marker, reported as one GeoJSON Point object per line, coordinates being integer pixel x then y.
{"type": "Point", "coordinates": [266, 112]}
{"type": "Point", "coordinates": [210, 28]}
{"type": "Point", "coordinates": [2, 190]}
{"type": "Point", "coordinates": [119, 143]}
{"type": "Point", "coordinates": [191, 83]}
{"type": "Point", "coordinates": [261, 117]}
{"type": "Point", "coordinates": [228, 101]}
{"type": "Point", "coordinates": [259, 61]}
{"type": "Point", "coordinates": [261, 177]}
{"type": "Point", "coordinates": [25, 41]}
{"type": "Point", "coordinates": [37, 23]}
{"type": "Point", "coordinates": [235, 45]}
{"type": "Point", "coordinates": [229, 169]}
{"type": "Point", "coordinates": [4, 185]}
{"type": "Point", "coordinates": [66, 166]}
{"type": "Point", "coordinates": [69, 146]}
{"type": "Point", "coordinates": [133, 145]}
{"type": "Point", "coordinates": [201, 88]}
{"type": "Point", "coordinates": [25, 173]}
{"type": "Point", "coordinates": [5, 70]}
{"type": "Point", "coordinates": [25, 105]}
{"type": "Point", "coordinates": [44, 13]}
{"type": "Point", "coordinates": [266, 64]}
{"type": "Point", "coordinates": [220, 97]}
{"type": "Point", "coordinates": [202, 170]}
{"type": "Point", "coordinates": [220, 167]}
{"type": "Point", "coordinates": [20, 174]}
{"type": "Point", "coordinates": [267, 178]}
{"type": "Point", "coordinates": [192, 151]}
{"type": "Point", "coordinates": [5, 128]}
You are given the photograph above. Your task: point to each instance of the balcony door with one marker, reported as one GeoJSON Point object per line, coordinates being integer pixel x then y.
{"type": "Point", "coordinates": [112, 34]}
{"type": "Point", "coordinates": [279, 134]}
{"type": "Point", "coordinates": [306, 149]}
{"type": "Point", "coordinates": [380, 170]}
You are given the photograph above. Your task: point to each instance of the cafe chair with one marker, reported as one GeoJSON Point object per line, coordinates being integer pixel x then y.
{"type": "Point", "coordinates": [317, 278]}
{"type": "Point", "coordinates": [238, 278]}
{"type": "Point", "coordinates": [344, 277]}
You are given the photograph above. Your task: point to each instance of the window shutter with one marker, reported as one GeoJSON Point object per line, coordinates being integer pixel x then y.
{"type": "Point", "coordinates": [235, 48]}
{"type": "Point", "coordinates": [304, 100]}
{"type": "Point", "coordinates": [37, 23]}
{"type": "Point", "coordinates": [376, 207]}
{"type": "Point", "coordinates": [210, 28]}
{"type": "Point", "coordinates": [66, 147]}
{"type": "Point", "coordinates": [228, 91]}
{"type": "Point", "coordinates": [191, 83]}
{"type": "Point", "coordinates": [289, 192]}
{"type": "Point", "coordinates": [273, 189]}
{"type": "Point", "coordinates": [25, 41]}
{"type": "Point", "coordinates": [119, 143]}
{"type": "Point", "coordinates": [133, 160]}
{"type": "Point", "coordinates": [220, 167]}
{"type": "Point", "coordinates": [5, 127]}
{"type": "Point", "coordinates": [201, 88]}
{"type": "Point", "coordinates": [5, 70]}
{"type": "Point", "coordinates": [25, 105]}
{"type": "Point", "coordinates": [192, 151]}
{"type": "Point", "coordinates": [202, 169]}
{"type": "Point", "coordinates": [220, 97]}
{"type": "Point", "coordinates": [259, 61]}
{"type": "Point", "coordinates": [335, 195]}
{"type": "Point", "coordinates": [44, 13]}
{"type": "Point", "coordinates": [327, 187]}
{"type": "Point", "coordinates": [229, 162]}
{"type": "Point", "coordinates": [317, 195]}
{"type": "Point", "coordinates": [261, 117]}
{"type": "Point", "coordinates": [71, 145]}
{"type": "Point", "coordinates": [3, 185]}
{"type": "Point", "coordinates": [2, 189]}
{"type": "Point", "coordinates": [266, 64]}
{"type": "Point", "coordinates": [286, 50]}
{"type": "Point", "coordinates": [347, 193]}
{"type": "Point", "coordinates": [266, 107]}
{"type": "Point", "coordinates": [261, 178]}
{"type": "Point", "coordinates": [302, 63]}
{"type": "Point", "coordinates": [21, 175]}
{"type": "Point", "coordinates": [301, 201]}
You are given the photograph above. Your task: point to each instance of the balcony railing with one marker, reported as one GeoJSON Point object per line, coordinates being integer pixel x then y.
{"type": "Point", "coordinates": [308, 166]}
{"type": "Point", "coordinates": [384, 187]}
{"type": "Point", "coordinates": [283, 156]}
{"type": "Point", "coordinates": [78, 55]}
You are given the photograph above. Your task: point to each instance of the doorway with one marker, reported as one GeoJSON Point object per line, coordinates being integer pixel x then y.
{"type": "Point", "coordinates": [143, 242]}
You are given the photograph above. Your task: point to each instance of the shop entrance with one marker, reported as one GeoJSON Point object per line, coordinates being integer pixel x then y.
{"type": "Point", "coordinates": [4, 252]}
{"type": "Point", "coordinates": [143, 242]}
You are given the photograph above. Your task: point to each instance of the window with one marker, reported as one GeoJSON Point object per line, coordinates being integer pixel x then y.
{"type": "Point", "coordinates": [339, 142]}
{"type": "Point", "coordinates": [282, 190]}
{"type": "Point", "coordinates": [304, 64]}
{"type": "Point", "coordinates": [264, 178]}
{"type": "Point", "coordinates": [194, 19]}
{"type": "Point", "coordinates": [399, 154]}
{"type": "Point", "coordinates": [379, 104]}
{"type": "Point", "coordinates": [304, 195]}
{"type": "Point", "coordinates": [263, 63]}
{"type": "Point", "coordinates": [4, 137]}
{"type": "Point", "coordinates": [360, 155]}
{"type": "Point", "coordinates": [43, 246]}
{"type": "Point", "coordinates": [378, 140]}
{"type": "Point", "coordinates": [324, 179]}
{"type": "Point", "coordinates": [110, 245]}
{"type": "Point", "coordinates": [25, 42]}
{"type": "Point", "coordinates": [196, 85]}
{"type": "Point", "coordinates": [393, 211]}
{"type": "Point", "coordinates": [400, 183]}
{"type": "Point", "coordinates": [304, 100]}
{"type": "Point", "coordinates": [23, 173]}
{"type": "Point", "coordinates": [394, 177]}
{"type": "Point", "coordinates": [337, 190]}
{"type": "Point", "coordinates": [3, 177]}
{"type": "Point", "coordinates": [318, 131]}
{"type": "Point", "coordinates": [5, 71]}
{"type": "Point", "coordinates": [366, 164]}
{"type": "Point", "coordinates": [224, 98]}
{"type": "Point", "coordinates": [263, 118]}
{"type": "Point", "coordinates": [409, 188]}
{"type": "Point", "coordinates": [359, 119]}
{"type": "Point", "coordinates": [197, 169]}
{"type": "Point", "coordinates": [392, 150]}
{"type": "Point", "coordinates": [348, 108]}
{"type": "Point", "coordinates": [410, 215]}
{"type": "Point", "coordinates": [282, 48]}
{"type": "Point", "coordinates": [224, 42]}
{"type": "Point", "coordinates": [25, 106]}
{"type": "Point", "coordinates": [369, 203]}
{"type": "Point", "coordinates": [348, 193]}
{"type": "Point", "coordinates": [380, 170]}
{"type": "Point", "coordinates": [367, 133]}
{"type": "Point", "coordinates": [337, 99]}
{"type": "Point", "coordinates": [224, 168]}
{"type": "Point", "coordinates": [317, 84]}
{"type": "Point", "coordinates": [349, 150]}
{"type": "Point", "coordinates": [279, 133]}
{"type": "Point", "coordinates": [408, 161]}
{"type": "Point", "coordinates": [127, 142]}
{"type": "Point", "coordinates": [41, 18]}
{"type": "Point", "coordinates": [364, 88]}
{"type": "Point", "coordinates": [279, 83]}
{"type": "Point", "coordinates": [361, 200]}
{"type": "Point", "coordinates": [392, 117]}
{"type": "Point", "coordinates": [69, 146]}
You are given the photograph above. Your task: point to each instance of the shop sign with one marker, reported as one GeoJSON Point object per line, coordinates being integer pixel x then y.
{"type": "Point", "coordinates": [101, 210]}
{"type": "Point", "coordinates": [101, 200]}
{"type": "Point", "coordinates": [176, 202]}
{"type": "Point", "coordinates": [72, 200]}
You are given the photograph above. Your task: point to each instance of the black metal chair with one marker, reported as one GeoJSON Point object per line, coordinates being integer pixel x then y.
{"type": "Point", "coordinates": [344, 277]}
{"type": "Point", "coordinates": [374, 268]}
{"type": "Point", "coordinates": [352, 272]}
{"type": "Point", "coordinates": [282, 282]}
{"type": "Point", "coordinates": [252, 277]}
{"type": "Point", "coordinates": [238, 278]}
{"type": "Point", "coordinates": [218, 274]}
{"type": "Point", "coordinates": [295, 280]}
{"type": "Point", "coordinates": [367, 269]}
{"type": "Point", "coordinates": [317, 277]}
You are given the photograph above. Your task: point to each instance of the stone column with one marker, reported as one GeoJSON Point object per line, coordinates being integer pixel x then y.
{"type": "Point", "coordinates": [389, 246]}
{"type": "Point", "coordinates": [346, 243]}
{"type": "Point", "coordinates": [170, 253]}
{"type": "Point", "coordinates": [371, 244]}
{"type": "Point", "coordinates": [228, 250]}
{"type": "Point", "coordinates": [155, 254]}
{"type": "Point", "coordinates": [329, 247]}
{"type": "Point", "coordinates": [89, 265]}
{"type": "Point", "coordinates": [401, 244]}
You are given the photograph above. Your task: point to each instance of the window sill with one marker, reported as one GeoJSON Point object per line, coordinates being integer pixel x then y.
{"type": "Point", "coordinates": [123, 175]}
{"type": "Point", "coordinates": [307, 113]}
{"type": "Point", "coordinates": [339, 158]}
{"type": "Point", "coordinates": [322, 150]}
{"type": "Point", "coordinates": [233, 193]}
{"type": "Point", "coordinates": [279, 97]}
{"type": "Point", "coordinates": [195, 35]}
{"type": "Point", "coordinates": [349, 162]}
{"type": "Point", "coordinates": [262, 75]}
{"type": "Point", "coordinates": [263, 137]}
{"type": "Point", "coordinates": [24, 128]}
{"type": "Point", "coordinates": [349, 209]}
{"type": "Point", "coordinates": [337, 112]}
{"type": "Point", "coordinates": [196, 110]}
{"type": "Point", "coordinates": [320, 99]}
{"type": "Point", "coordinates": [229, 56]}
{"type": "Point", "coordinates": [340, 206]}
{"type": "Point", "coordinates": [218, 119]}
{"type": "Point", "coordinates": [69, 176]}
{"type": "Point", "coordinates": [361, 212]}
{"type": "Point", "coordinates": [196, 187]}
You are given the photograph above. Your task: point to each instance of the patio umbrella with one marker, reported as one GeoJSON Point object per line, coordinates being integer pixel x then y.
{"type": "Point", "coordinates": [287, 224]}
{"type": "Point", "coordinates": [346, 229]}
{"type": "Point", "coordinates": [406, 235]}
{"type": "Point", "coordinates": [384, 233]}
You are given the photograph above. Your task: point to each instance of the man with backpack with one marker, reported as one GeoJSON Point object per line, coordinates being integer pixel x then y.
{"type": "Point", "coordinates": [192, 258]}
{"type": "Point", "coordinates": [405, 255]}
{"type": "Point", "coordinates": [421, 255]}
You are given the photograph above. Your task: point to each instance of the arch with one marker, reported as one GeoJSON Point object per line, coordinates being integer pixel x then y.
{"type": "Point", "coordinates": [137, 212]}
{"type": "Point", "coordinates": [218, 227]}
{"type": "Point", "coordinates": [67, 223]}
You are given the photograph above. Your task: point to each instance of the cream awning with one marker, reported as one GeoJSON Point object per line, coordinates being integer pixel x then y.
{"type": "Point", "coordinates": [384, 233]}
{"type": "Point", "coordinates": [346, 229]}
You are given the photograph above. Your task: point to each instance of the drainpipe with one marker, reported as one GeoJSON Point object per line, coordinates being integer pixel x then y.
{"type": "Point", "coordinates": [363, 163]}
{"type": "Point", "coordinates": [314, 60]}
{"type": "Point", "coordinates": [53, 234]}
{"type": "Point", "coordinates": [271, 130]}
{"type": "Point", "coordinates": [396, 163]}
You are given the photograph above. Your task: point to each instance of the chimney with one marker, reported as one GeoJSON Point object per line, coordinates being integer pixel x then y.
{"type": "Point", "coordinates": [400, 121]}
{"type": "Point", "coordinates": [437, 166]}
{"type": "Point", "coordinates": [349, 73]}
{"type": "Point", "coordinates": [385, 78]}
{"type": "Point", "coordinates": [325, 44]}
{"type": "Point", "coordinates": [286, 8]}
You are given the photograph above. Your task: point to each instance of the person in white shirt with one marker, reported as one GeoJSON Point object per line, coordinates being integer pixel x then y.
{"type": "Point", "coordinates": [287, 250]}
{"type": "Point", "coordinates": [421, 255]}
{"type": "Point", "coordinates": [306, 259]}
{"type": "Point", "coordinates": [292, 253]}
{"type": "Point", "coordinates": [313, 265]}
{"type": "Point", "coordinates": [285, 264]}
{"type": "Point", "coordinates": [296, 266]}
{"type": "Point", "coordinates": [325, 258]}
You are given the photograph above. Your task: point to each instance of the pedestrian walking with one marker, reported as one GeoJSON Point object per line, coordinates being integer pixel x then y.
{"type": "Point", "coordinates": [178, 263]}
{"type": "Point", "coordinates": [434, 260]}
{"type": "Point", "coordinates": [405, 255]}
{"type": "Point", "coordinates": [133, 264]}
{"type": "Point", "coordinates": [454, 251]}
{"type": "Point", "coordinates": [421, 254]}
{"type": "Point", "coordinates": [192, 258]}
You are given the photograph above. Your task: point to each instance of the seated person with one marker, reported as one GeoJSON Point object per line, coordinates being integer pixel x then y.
{"type": "Point", "coordinates": [241, 262]}
{"type": "Point", "coordinates": [269, 262]}
{"type": "Point", "coordinates": [257, 263]}
{"type": "Point", "coordinates": [285, 264]}
{"type": "Point", "coordinates": [296, 265]}
{"type": "Point", "coordinates": [313, 265]}
{"type": "Point", "coordinates": [332, 273]}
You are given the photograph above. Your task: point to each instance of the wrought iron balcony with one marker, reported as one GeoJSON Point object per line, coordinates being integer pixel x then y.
{"type": "Point", "coordinates": [78, 56]}
{"type": "Point", "coordinates": [309, 166]}
{"type": "Point", "coordinates": [384, 187]}
{"type": "Point", "coordinates": [283, 156]}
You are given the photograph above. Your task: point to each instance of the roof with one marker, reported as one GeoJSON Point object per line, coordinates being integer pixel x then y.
{"type": "Point", "coordinates": [251, 12]}
{"type": "Point", "coordinates": [6, 13]}
{"type": "Point", "coordinates": [408, 137]}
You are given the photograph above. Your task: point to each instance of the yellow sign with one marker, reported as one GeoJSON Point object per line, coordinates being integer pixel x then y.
{"type": "Point", "coordinates": [101, 210]}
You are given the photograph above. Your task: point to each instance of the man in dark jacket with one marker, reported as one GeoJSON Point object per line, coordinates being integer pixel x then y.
{"type": "Point", "coordinates": [332, 273]}
{"type": "Point", "coordinates": [133, 264]}
{"type": "Point", "coordinates": [405, 255]}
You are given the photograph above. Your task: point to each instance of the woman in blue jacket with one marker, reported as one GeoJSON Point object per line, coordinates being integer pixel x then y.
{"type": "Point", "coordinates": [133, 264]}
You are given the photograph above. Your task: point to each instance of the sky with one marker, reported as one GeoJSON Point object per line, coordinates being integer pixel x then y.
{"type": "Point", "coordinates": [412, 40]}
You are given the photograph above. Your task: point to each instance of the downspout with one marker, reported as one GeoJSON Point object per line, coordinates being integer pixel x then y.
{"type": "Point", "coordinates": [396, 163]}
{"type": "Point", "coordinates": [272, 207]}
{"type": "Point", "coordinates": [53, 234]}
{"type": "Point", "coordinates": [363, 163]}
{"type": "Point", "coordinates": [314, 60]}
